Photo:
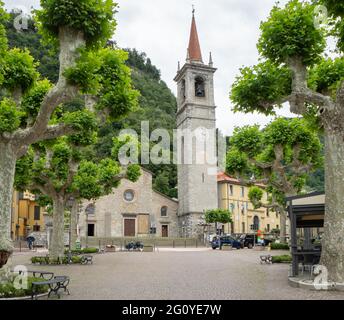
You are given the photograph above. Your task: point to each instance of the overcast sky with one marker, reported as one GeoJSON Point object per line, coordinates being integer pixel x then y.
{"type": "Point", "coordinates": [227, 28]}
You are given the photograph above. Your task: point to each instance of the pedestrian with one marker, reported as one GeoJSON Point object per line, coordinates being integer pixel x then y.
{"type": "Point", "coordinates": [30, 240]}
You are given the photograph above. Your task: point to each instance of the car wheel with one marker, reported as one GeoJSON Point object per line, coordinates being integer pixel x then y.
{"type": "Point", "coordinates": [214, 248]}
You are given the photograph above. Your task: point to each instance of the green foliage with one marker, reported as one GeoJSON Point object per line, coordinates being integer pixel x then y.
{"type": "Point", "coordinates": [260, 88]}
{"type": "Point", "coordinates": [158, 105]}
{"type": "Point", "coordinates": [19, 70]}
{"type": "Point", "coordinates": [247, 139]}
{"type": "Point", "coordinates": [326, 76]}
{"type": "Point", "coordinates": [108, 169]}
{"type": "Point", "coordinates": [156, 101]}
{"type": "Point", "coordinates": [282, 259]}
{"type": "Point", "coordinates": [218, 215]}
{"type": "Point", "coordinates": [142, 63]}
{"type": "Point", "coordinates": [336, 12]}
{"type": "Point", "coordinates": [104, 73]}
{"type": "Point", "coordinates": [95, 18]}
{"type": "Point", "coordinates": [83, 251]}
{"type": "Point", "coordinates": [116, 94]}
{"type": "Point", "coordinates": [279, 246]}
{"type": "Point", "coordinates": [299, 146]}
{"type": "Point", "coordinates": [294, 132]}
{"type": "Point", "coordinates": [130, 142]}
{"type": "Point", "coordinates": [161, 183]}
{"type": "Point", "coordinates": [255, 195]}
{"type": "Point", "coordinates": [33, 99]}
{"type": "Point", "coordinates": [86, 180]}
{"type": "Point", "coordinates": [133, 172]}
{"type": "Point", "coordinates": [85, 123]}
{"type": "Point", "coordinates": [30, 39]}
{"type": "Point", "coordinates": [3, 39]}
{"type": "Point", "coordinates": [86, 72]}
{"type": "Point", "coordinates": [291, 32]}
{"type": "Point", "coordinates": [48, 261]}
{"type": "Point", "coordinates": [236, 161]}
{"type": "Point", "coordinates": [8, 290]}
{"type": "Point", "coordinates": [23, 171]}
{"type": "Point", "coordinates": [10, 116]}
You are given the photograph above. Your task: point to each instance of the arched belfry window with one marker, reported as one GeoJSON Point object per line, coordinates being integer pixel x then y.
{"type": "Point", "coordinates": [199, 87]}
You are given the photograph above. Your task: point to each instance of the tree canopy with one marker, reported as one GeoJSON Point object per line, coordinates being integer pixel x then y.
{"type": "Point", "coordinates": [218, 216]}
{"type": "Point", "coordinates": [278, 158]}
{"type": "Point", "coordinates": [33, 111]}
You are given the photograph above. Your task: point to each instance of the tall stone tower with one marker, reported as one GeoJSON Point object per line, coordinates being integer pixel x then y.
{"type": "Point", "coordinates": [197, 179]}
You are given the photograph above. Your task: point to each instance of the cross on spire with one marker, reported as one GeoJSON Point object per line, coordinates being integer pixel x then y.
{"type": "Point", "coordinates": [194, 49]}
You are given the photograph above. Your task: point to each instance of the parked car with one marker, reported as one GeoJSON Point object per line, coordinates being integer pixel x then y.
{"type": "Point", "coordinates": [247, 240]}
{"type": "Point", "coordinates": [218, 242]}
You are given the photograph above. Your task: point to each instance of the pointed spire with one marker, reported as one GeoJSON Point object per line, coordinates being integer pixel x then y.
{"type": "Point", "coordinates": [211, 60]}
{"type": "Point", "coordinates": [194, 50]}
{"type": "Point", "coordinates": [178, 66]}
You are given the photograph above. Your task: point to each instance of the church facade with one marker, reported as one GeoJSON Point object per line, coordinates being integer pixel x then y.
{"type": "Point", "coordinates": [131, 210]}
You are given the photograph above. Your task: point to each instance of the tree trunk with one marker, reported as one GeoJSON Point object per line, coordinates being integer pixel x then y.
{"type": "Point", "coordinates": [74, 223]}
{"type": "Point", "coordinates": [332, 256]}
{"type": "Point", "coordinates": [7, 170]}
{"type": "Point", "coordinates": [57, 246]}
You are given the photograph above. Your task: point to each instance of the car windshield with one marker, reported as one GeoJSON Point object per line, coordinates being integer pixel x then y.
{"type": "Point", "coordinates": [228, 238]}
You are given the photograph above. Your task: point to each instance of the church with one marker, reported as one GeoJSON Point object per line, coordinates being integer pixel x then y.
{"type": "Point", "coordinates": [136, 210]}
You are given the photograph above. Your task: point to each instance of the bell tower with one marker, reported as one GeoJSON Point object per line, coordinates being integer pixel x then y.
{"type": "Point", "coordinates": [196, 124]}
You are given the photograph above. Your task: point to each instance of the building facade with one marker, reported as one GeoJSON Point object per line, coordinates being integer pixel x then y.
{"type": "Point", "coordinates": [131, 210]}
{"type": "Point", "coordinates": [233, 196]}
{"type": "Point", "coordinates": [197, 185]}
{"type": "Point", "coordinates": [27, 215]}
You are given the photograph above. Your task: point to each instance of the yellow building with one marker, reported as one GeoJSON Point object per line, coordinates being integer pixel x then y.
{"type": "Point", "coordinates": [27, 215]}
{"type": "Point", "coordinates": [233, 195]}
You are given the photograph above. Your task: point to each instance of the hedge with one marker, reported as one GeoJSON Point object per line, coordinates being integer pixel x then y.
{"type": "Point", "coordinates": [7, 289]}
{"type": "Point", "coordinates": [279, 246]}
{"type": "Point", "coordinates": [83, 251]}
{"type": "Point", "coordinates": [47, 260]}
{"type": "Point", "coordinates": [281, 259]}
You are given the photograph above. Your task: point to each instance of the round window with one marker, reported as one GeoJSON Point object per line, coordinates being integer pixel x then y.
{"type": "Point", "coordinates": [129, 195]}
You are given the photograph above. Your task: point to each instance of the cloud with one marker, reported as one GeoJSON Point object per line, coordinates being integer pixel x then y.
{"type": "Point", "coordinates": [227, 28]}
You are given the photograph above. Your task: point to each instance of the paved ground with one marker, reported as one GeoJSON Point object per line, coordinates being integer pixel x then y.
{"type": "Point", "coordinates": [179, 274]}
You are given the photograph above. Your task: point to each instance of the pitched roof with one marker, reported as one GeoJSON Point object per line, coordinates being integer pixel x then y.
{"type": "Point", "coordinates": [194, 49]}
{"type": "Point", "coordinates": [224, 177]}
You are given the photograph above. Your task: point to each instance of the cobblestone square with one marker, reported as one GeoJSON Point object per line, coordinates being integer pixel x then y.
{"type": "Point", "coordinates": [179, 274]}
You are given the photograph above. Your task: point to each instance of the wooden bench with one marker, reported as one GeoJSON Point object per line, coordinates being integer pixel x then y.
{"type": "Point", "coordinates": [87, 259]}
{"type": "Point", "coordinates": [267, 259]}
{"type": "Point", "coordinates": [55, 284]}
